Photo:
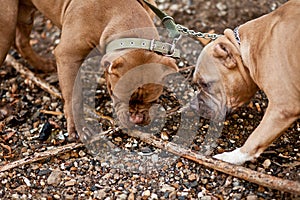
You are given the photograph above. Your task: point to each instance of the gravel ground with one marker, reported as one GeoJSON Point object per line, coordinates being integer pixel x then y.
{"type": "Point", "coordinates": [79, 175]}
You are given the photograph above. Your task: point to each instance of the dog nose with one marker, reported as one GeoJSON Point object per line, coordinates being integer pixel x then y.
{"type": "Point", "coordinates": [136, 118]}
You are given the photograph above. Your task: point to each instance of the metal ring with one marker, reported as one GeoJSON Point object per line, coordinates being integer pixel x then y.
{"type": "Point", "coordinates": [151, 48]}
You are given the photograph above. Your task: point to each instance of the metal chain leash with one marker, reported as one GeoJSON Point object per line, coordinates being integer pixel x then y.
{"type": "Point", "coordinates": [193, 33]}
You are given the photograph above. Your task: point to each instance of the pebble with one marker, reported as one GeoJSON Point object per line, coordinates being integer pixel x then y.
{"type": "Point", "coordinates": [153, 196]}
{"type": "Point", "coordinates": [164, 136]}
{"type": "Point", "coordinates": [45, 99]}
{"type": "Point", "coordinates": [179, 164]}
{"type": "Point", "coordinates": [146, 193]}
{"type": "Point", "coordinates": [42, 183]}
{"type": "Point", "coordinates": [122, 197]}
{"type": "Point", "coordinates": [251, 197]}
{"type": "Point", "coordinates": [131, 196]}
{"type": "Point", "coordinates": [69, 197]}
{"type": "Point", "coordinates": [71, 182]}
{"type": "Point", "coordinates": [54, 178]}
{"type": "Point", "coordinates": [192, 177]}
{"type": "Point", "coordinates": [267, 163]}
{"type": "Point", "coordinates": [81, 153]}
{"type": "Point", "coordinates": [173, 195]}
{"type": "Point", "coordinates": [100, 194]}
{"type": "Point", "coordinates": [27, 181]}
{"type": "Point", "coordinates": [21, 189]}
{"type": "Point", "coordinates": [15, 196]}
{"type": "Point", "coordinates": [166, 188]}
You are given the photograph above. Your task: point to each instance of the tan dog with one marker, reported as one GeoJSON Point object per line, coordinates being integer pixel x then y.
{"type": "Point", "coordinates": [268, 58]}
{"type": "Point", "coordinates": [136, 84]}
{"type": "Point", "coordinates": [84, 25]}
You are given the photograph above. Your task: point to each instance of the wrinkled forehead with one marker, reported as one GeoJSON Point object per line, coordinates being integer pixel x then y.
{"type": "Point", "coordinates": [207, 66]}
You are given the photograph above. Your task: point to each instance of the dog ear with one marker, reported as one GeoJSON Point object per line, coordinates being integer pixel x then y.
{"type": "Point", "coordinates": [225, 53]}
{"type": "Point", "coordinates": [110, 64]}
{"type": "Point", "coordinates": [170, 62]}
{"type": "Point", "coordinates": [151, 91]}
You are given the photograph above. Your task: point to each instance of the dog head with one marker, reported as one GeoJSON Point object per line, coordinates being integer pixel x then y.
{"type": "Point", "coordinates": [222, 78]}
{"type": "Point", "coordinates": [134, 81]}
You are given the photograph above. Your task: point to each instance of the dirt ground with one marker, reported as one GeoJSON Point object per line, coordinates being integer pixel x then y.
{"type": "Point", "coordinates": [79, 175]}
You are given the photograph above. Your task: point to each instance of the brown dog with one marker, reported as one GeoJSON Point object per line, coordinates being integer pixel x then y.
{"type": "Point", "coordinates": [84, 25]}
{"type": "Point", "coordinates": [261, 54]}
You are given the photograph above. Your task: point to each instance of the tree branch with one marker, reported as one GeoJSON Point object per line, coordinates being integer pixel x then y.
{"type": "Point", "coordinates": [29, 74]}
{"type": "Point", "coordinates": [227, 168]}
{"type": "Point", "coordinates": [40, 156]}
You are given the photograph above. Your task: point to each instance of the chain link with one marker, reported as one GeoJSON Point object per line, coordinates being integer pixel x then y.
{"type": "Point", "coordinates": [193, 33]}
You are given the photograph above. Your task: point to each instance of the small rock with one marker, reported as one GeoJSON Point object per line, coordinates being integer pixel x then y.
{"type": "Point", "coordinates": [146, 151]}
{"type": "Point", "coordinates": [71, 182]}
{"type": "Point", "coordinates": [56, 196]}
{"type": "Point", "coordinates": [179, 164]}
{"type": "Point", "coordinates": [128, 145]}
{"type": "Point", "coordinates": [192, 177]}
{"type": "Point", "coordinates": [118, 139]}
{"type": "Point", "coordinates": [206, 198]}
{"type": "Point", "coordinates": [100, 194]}
{"type": "Point", "coordinates": [122, 197]}
{"type": "Point", "coordinates": [45, 131]}
{"type": "Point", "coordinates": [69, 197]}
{"type": "Point", "coordinates": [237, 196]}
{"type": "Point", "coordinates": [54, 178]}
{"type": "Point", "coordinates": [166, 188]}
{"type": "Point", "coordinates": [27, 181]}
{"type": "Point", "coordinates": [153, 196]}
{"type": "Point", "coordinates": [235, 116]}
{"type": "Point", "coordinates": [173, 195]}
{"type": "Point", "coordinates": [81, 153]}
{"type": "Point", "coordinates": [164, 136]}
{"type": "Point", "coordinates": [251, 197]}
{"type": "Point", "coordinates": [54, 105]}
{"type": "Point", "coordinates": [131, 196]}
{"type": "Point", "coordinates": [267, 163]}
{"type": "Point", "coordinates": [42, 183]}
{"type": "Point", "coordinates": [194, 184]}
{"type": "Point", "coordinates": [146, 193]}
{"type": "Point", "coordinates": [21, 189]}
{"type": "Point", "coordinates": [45, 99]}
{"type": "Point", "coordinates": [15, 196]}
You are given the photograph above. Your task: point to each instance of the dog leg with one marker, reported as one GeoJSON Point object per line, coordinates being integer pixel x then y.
{"type": "Point", "coordinates": [70, 53]}
{"type": "Point", "coordinates": [8, 21]}
{"type": "Point", "coordinates": [24, 27]}
{"type": "Point", "coordinates": [273, 124]}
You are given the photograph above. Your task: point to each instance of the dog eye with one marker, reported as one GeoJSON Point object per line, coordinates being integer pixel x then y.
{"type": "Point", "coordinates": [206, 85]}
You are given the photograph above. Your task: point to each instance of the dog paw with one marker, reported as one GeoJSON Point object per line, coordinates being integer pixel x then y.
{"type": "Point", "coordinates": [73, 137]}
{"type": "Point", "coordinates": [234, 157]}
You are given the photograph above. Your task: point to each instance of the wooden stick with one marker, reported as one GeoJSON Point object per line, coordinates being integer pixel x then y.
{"type": "Point", "coordinates": [233, 170]}
{"type": "Point", "coordinates": [186, 68]}
{"type": "Point", "coordinates": [29, 74]}
{"type": "Point", "coordinates": [40, 156]}
{"type": "Point", "coordinates": [49, 112]}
